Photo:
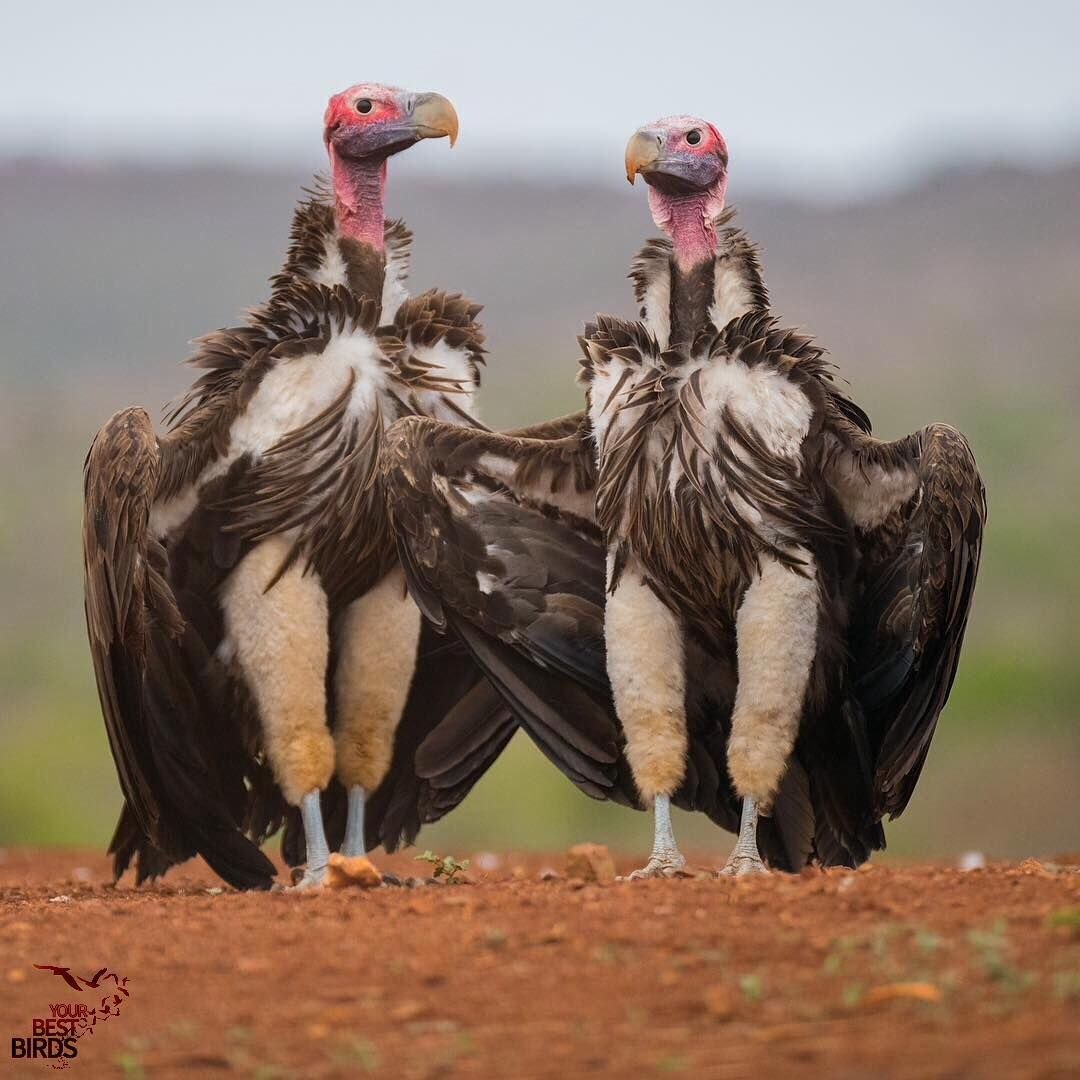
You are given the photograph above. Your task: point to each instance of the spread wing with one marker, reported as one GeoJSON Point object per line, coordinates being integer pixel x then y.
{"type": "Point", "coordinates": [919, 510]}
{"type": "Point", "coordinates": [496, 539]}
{"type": "Point", "coordinates": [160, 691]}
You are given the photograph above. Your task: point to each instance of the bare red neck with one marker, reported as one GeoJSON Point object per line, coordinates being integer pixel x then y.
{"type": "Point", "coordinates": [359, 189]}
{"type": "Point", "coordinates": [688, 220]}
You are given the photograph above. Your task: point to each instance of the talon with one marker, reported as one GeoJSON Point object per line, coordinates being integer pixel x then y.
{"type": "Point", "coordinates": [742, 865]}
{"type": "Point", "coordinates": [667, 865]}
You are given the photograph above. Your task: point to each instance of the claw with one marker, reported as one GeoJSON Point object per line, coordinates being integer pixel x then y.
{"type": "Point", "coordinates": [666, 859]}
{"type": "Point", "coordinates": [666, 864]}
{"type": "Point", "coordinates": [741, 864]}
{"type": "Point", "coordinates": [744, 859]}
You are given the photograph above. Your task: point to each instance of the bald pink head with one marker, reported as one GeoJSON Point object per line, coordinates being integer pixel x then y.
{"type": "Point", "coordinates": [684, 160]}
{"type": "Point", "coordinates": [363, 127]}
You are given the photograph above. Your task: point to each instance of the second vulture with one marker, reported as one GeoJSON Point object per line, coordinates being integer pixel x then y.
{"type": "Point", "coordinates": [721, 590]}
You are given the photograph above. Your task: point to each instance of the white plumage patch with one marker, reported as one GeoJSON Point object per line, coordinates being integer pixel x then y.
{"type": "Point", "coordinates": [731, 297]}
{"type": "Point", "coordinates": [455, 366]}
{"type": "Point", "coordinates": [657, 305]}
{"type": "Point", "coordinates": [395, 291]}
{"type": "Point", "coordinates": [761, 399]}
{"type": "Point", "coordinates": [289, 396]}
{"type": "Point", "coordinates": [297, 390]}
{"type": "Point", "coordinates": [332, 270]}
{"type": "Point", "coordinates": [869, 493]}
{"type": "Point", "coordinates": [607, 373]}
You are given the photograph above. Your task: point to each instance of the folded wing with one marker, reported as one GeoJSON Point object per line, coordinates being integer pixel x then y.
{"type": "Point", "coordinates": [153, 672]}
{"type": "Point", "coordinates": [919, 509]}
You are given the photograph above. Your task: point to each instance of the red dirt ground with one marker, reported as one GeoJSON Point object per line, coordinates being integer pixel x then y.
{"type": "Point", "coordinates": [888, 971]}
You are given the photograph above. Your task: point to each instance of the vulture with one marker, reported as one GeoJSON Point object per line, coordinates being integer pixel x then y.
{"type": "Point", "coordinates": [251, 635]}
{"type": "Point", "coordinates": [720, 591]}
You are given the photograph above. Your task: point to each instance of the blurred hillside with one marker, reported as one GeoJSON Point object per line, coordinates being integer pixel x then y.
{"type": "Point", "coordinates": [956, 300]}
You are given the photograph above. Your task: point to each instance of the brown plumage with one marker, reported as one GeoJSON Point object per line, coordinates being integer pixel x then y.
{"type": "Point", "coordinates": [169, 520]}
{"type": "Point", "coordinates": [504, 547]}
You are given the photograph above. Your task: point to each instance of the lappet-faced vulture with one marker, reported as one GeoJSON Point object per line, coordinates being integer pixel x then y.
{"type": "Point", "coordinates": [770, 600]}
{"type": "Point", "coordinates": [252, 639]}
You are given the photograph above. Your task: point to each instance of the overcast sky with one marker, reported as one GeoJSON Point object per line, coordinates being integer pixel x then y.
{"type": "Point", "coordinates": [816, 97]}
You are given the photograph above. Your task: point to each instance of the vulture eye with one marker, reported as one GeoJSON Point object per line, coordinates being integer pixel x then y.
{"type": "Point", "coordinates": [363, 105]}
{"type": "Point", "coordinates": [693, 137]}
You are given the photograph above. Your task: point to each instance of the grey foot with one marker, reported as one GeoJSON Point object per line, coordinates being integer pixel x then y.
{"type": "Point", "coordinates": [667, 864]}
{"type": "Point", "coordinates": [741, 864]}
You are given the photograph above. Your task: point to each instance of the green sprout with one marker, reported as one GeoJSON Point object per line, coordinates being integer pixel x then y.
{"type": "Point", "coordinates": [447, 867]}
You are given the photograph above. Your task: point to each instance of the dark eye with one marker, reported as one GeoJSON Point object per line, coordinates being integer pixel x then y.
{"type": "Point", "coordinates": [363, 105]}
{"type": "Point", "coordinates": [693, 137]}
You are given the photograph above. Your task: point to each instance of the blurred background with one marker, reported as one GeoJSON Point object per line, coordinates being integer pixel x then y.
{"type": "Point", "coordinates": [912, 174]}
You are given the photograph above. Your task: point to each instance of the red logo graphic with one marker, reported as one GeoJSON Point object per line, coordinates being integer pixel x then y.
{"type": "Point", "coordinates": [54, 1038]}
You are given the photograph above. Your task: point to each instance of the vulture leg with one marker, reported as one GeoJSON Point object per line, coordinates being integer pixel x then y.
{"type": "Point", "coordinates": [776, 633]}
{"type": "Point", "coordinates": [318, 851]}
{"type": "Point", "coordinates": [353, 844]}
{"type": "Point", "coordinates": [744, 858]}
{"type": "Point", "coordinates": [277, 624]}
{"type": "Point", "coordinates": [666, 860]}
{"type": "Point", "coordinates": [379, 635]}
{"type": "Point", "coordinates": [646, 665]}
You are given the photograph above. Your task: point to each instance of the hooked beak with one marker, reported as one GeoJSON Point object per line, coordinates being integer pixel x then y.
{"type": "Point", "coordinates": [643, 151]}
{"type": "Point", "coordinates": [434, 117]}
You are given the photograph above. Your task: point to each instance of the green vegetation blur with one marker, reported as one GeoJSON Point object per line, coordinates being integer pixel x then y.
{"type": "Point", "coordinates": [1004, 770]}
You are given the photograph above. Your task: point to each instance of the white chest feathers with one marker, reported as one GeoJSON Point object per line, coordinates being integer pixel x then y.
{"type": "Point", "coordinates": [759, 398]}
{"type": "Point", "coordinates": [290, 396]}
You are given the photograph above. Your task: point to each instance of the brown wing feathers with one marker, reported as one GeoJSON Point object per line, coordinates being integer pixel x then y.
{"type": "Point", "coordinates": [151, 674]}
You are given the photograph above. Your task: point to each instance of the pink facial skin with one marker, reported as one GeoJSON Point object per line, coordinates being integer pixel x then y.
{"type": "Point", "coordinates": [688, 186]}
{"type": "Point", "coordinates": [359, 178]}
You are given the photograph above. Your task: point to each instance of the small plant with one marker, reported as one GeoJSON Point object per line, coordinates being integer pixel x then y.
{"type": "Point", "coordinates": [444, 867]}
{"type": "Point", "coordinates": [991, 945]}
{"type": "Point", "coordinates": [359, 1052]}
{"type": "Point", "coordinates": [927, 942]}
{"type": "Point", "coordinates": [672, 1064]}
{"type": "Point", "coordinates": [853, 995]}
{"type": "Point", "coordinates": [752, 987]}
{"type": "Point", "coordinates": [130, 1066]}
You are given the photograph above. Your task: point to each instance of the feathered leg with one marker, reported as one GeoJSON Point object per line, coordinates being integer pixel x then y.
{"type": "Point", "coordinates": [379, 634]}
{"type": "Point", "coordinates": [281, 644]}
{"type": "Point", "coordinates": [646, 665]}
{"type": "Point", "coordinates": [776, 631]}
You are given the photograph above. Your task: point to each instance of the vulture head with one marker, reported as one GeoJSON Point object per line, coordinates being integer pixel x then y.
{"type": "Point", "coordinates": [684, 160]}
{"type": "Point", "coordinates": [363, 127]}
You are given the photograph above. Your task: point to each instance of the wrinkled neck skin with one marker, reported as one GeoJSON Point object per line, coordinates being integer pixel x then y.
{"type": "Point", "coordinates": [688, 220]}
{"type": "Point", "coordinates": [359, 188]}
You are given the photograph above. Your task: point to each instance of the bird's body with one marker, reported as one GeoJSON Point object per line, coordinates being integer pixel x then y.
{"type": "Point", "coordinates": [242, 587]}
{"type": "Point", "coordinates": [786, 595]}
